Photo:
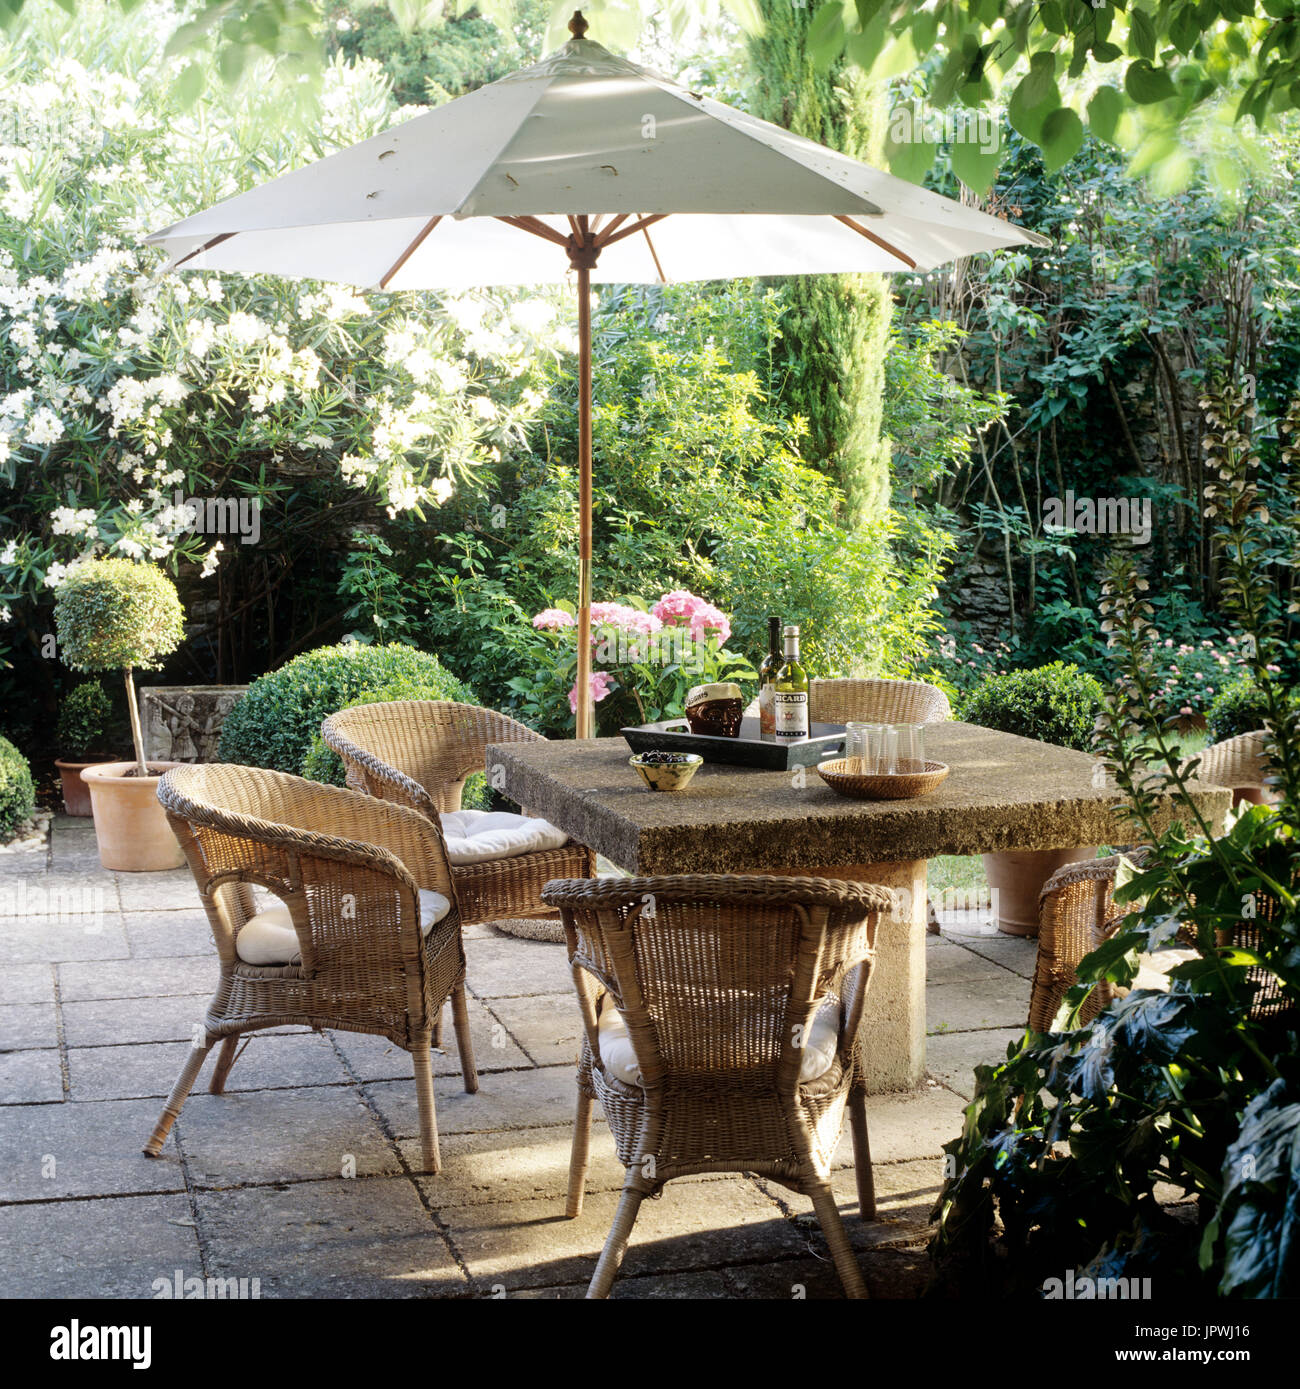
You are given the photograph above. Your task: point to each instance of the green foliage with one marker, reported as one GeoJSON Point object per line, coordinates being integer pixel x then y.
{"type": "Point", "coordinates": [17, 794]}
{"type": "Point", "coordinates": [275, 722]}
{"type": "Point", "coordinates": [1241, 708]}
{"type": "Point", "coordinates": [115, 614]}
{"type": "Point", "coordinates": [124, 387]}
{"type": "Point", "coordinates": [430, 63]}
{"type": "Point", "coordinates": [322, 763]}
{"type": "Point", "coordinates": [698, 485]}
{"type": "Point", "coordinates": [1196, 1089]}
{"type": "Point", "coordinates": [835, 330]}
{"type": "Point", "coordinates": [1199, 78]}
{"type": "Point", "coordinates": [1056, 703]}
{"type": "Point", "coordinates": [83, 720]}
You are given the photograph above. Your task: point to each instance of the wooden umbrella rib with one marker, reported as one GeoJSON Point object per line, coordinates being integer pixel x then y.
{"type": "Point", "coordinates": [537, 227]}
{"type": "Point", "coordinates": [654, 255]}
{"type": "Point", "coordinates": [878, 240]}
{"type": "Point", "coordinates": [634, 228]}
{"type": "Point", "coordinates": [207, 246]}
{"type": "Point", "coordinates": [410, 250]}
{"type": "Point", "coordinates": [602, 237]}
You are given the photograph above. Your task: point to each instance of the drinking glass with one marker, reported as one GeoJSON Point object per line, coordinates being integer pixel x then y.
{"type": "Point", "coordinates": [910, 747]}
{"type": "Point", "coordinates": [887, 751]}
{"type": "Point", "coordinates": [860, 743]}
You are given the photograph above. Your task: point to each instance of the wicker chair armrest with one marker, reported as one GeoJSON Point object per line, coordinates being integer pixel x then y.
{"type": "Point", "coordinates": [314, 818]}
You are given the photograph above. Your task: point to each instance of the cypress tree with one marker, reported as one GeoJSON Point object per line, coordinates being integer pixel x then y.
{"type": "Point", "coordinates": [836, 330]}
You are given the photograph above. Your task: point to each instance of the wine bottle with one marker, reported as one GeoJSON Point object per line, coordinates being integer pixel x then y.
{"type": "Point", "coordinates": [766, 676]}
{"type": "Point", "coordinates": [790, 692]}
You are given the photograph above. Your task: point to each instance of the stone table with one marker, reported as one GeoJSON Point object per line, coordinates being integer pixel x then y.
{"type": "Point", "coordinates": [1003, 792]}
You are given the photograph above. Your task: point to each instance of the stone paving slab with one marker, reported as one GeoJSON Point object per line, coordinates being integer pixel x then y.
{"type": "Point", "coordinates": [368, 1237]}
{"type": "Point", "coordinates": [952, 1058]}
{"type": "Point", "coordinates": [153, 892]}
{"type": "Point", "coordinates": [533, 1098]}
{"type": "Point", "coordinates": [275, 1136]}
{"type": "Point", "coordinates": [271, 1062]}
{"type": "Point", "coordinates": [51, 1151]}
{"type": "Point", "coordinates": [169, 934]}
{"type": "Point", "coordinates": [547, 1026]}
{"type": "Point", "coordinates": [695, 1225]}
{"type": "Point", "coordinates": [47, 939]}
{"type": "Point", "coordinates": [372, 1058]}
{"type": "Point", "coordinates": [96, 1249]}
{"type": "Point", "coordinates": [510, 967]}
{"type": "Point", "coordinates": [113, 1021]}
{"type": "Point", "coordinates": [956, 1007]}
{"type": "Point", "coordinates": [34, 892]}
{"type": "Point", "coordinates": [1016, 953]}
{"type": "Point", "coordinates": [28, 1025]}
{"type": "Point", "coordinates": [30, 1077]}
{"type": "Point", "coordinates": [32, 983]}
{"type": "Point", "coordinates": [143, 978]}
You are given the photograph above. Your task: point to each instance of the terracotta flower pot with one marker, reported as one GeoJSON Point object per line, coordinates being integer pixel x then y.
{"type": "Point", "coordinates": [130, 825]}
{"type": "Point", "coordinates": [1016, 877]}
{"type": "Point", "coordinates": [76, 794]}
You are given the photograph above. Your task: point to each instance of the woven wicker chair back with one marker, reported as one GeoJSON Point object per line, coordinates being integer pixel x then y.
{"type": "Point", "coordinates": [877, 701]}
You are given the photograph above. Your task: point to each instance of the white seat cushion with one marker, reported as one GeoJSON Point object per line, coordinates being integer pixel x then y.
{"type": "Point", "coordinates": [269, 938]}
{"type": "Point", "coordinates": [478, 836]}
{"type": "Point", "coordinates": [619, 1060]}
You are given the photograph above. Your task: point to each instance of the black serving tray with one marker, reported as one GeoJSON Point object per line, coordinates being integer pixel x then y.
{"type": "Point", "coordinates": [748, 750]}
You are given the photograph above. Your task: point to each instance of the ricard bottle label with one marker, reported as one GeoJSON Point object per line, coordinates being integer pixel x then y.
{"type": "Point", "coordinates": [791, 713]}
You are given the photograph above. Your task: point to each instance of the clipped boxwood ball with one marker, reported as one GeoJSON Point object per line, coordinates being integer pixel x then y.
{"type": "Point", "coordinates": [1057, 703]}
{"type": "Point", "coordinates": [17, 794]}
{"type": "Point", "coordinates": [275, 722]}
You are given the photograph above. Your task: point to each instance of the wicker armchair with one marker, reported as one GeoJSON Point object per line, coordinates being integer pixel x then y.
{"type": "Point", "coordinates": [1239, 763]}
{"type": "Point", "coordinates": [419, 753]}
{"type": "Point", "coordinates": [1077, 911]}
{"type": "Point", "coordinates": [358, 879]}
{"type": "Point", "coordinates": [877, 701]}
{"type": "Point", "coordinates": [718, 981]}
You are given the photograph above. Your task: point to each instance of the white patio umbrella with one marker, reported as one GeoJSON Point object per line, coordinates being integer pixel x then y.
{"type": "Point", "coordinates": [567, 166]}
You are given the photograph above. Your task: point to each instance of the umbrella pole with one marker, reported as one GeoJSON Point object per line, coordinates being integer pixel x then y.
{"type": "Point", "coordinates": [585, 719]}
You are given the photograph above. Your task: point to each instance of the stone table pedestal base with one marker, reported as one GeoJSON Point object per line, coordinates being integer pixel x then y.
{"type": "Point", "coordinates": [893, 1017]}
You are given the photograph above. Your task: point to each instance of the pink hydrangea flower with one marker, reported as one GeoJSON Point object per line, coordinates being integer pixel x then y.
{"type": "Point", "coordinates": [624, 617]}
{"type": "Point", "coordinates": [706, 619]}
{"type": "Point", "coordinates": [552, 619]}
{"type": "Point", "coordinates": [601, 684]}
{"type": "Point", "coordinates": [676, 609]}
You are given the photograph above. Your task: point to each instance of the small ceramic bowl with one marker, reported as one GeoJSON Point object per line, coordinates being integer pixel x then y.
{"type": "Point", "coordinates": [666, 776]}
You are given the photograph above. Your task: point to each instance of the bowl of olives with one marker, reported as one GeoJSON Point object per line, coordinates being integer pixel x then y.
{"type": "Point", "coordinates": [666, 771]}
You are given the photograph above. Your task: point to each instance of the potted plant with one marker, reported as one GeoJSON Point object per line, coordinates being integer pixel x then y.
{"type": "Point", "coordinates": [115, 614]}
{"type": "Point", "coordinates": [82, 734]}
{"type": "Point", "coordinates": [1058, 704]}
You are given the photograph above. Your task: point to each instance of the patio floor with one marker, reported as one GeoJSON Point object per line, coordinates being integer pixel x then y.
{"type": "Point", "coordinates": [302, 1175]}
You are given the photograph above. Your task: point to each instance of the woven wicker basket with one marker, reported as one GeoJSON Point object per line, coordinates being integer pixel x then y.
{"type": "Point", "coordinates": [867, 786]}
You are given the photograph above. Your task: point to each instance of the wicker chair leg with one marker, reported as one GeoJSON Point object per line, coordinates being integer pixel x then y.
{"type": "Point", "coordinates": [225, 1060]}
{"type": "Point", "coordinates": [180, 1092]}
{"type": "Point", "coordinates": [437, 1029]}
{"type": "Point", "coordinates": [464, 1042]}
{"type": "Point", "coordinates": [862, 1154]}
{"type": "Point", "coordinates": [580, 1157]}
{"type": "Point", "coordinates": [611, 1257]}
{"type": "Point", "coordinates": [828, 1217]}
{"type": "Point", "coordinates": [423, 1063]}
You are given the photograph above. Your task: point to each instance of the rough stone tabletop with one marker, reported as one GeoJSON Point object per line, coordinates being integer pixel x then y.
{"type": "Point", "coordinates": [1003, 792]}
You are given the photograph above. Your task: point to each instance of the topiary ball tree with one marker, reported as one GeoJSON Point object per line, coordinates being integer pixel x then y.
{"type": "Point", "coordinates": [115, 614]}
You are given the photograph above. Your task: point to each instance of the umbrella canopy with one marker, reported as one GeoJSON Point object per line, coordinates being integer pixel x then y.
{"type": "Point", "coordinates": [583, 162]}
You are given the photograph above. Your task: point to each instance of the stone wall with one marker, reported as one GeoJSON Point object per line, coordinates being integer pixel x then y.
{"type": "Point", "coordinates": [182, 723]}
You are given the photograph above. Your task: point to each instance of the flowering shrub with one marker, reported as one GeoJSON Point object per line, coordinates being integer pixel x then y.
{"type": "Point", "coordinates": [1190, 675]}
{"type": "Point", "coordinates": [125, 391]}
{"type": "Point", "coordinates": [647, 658]}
